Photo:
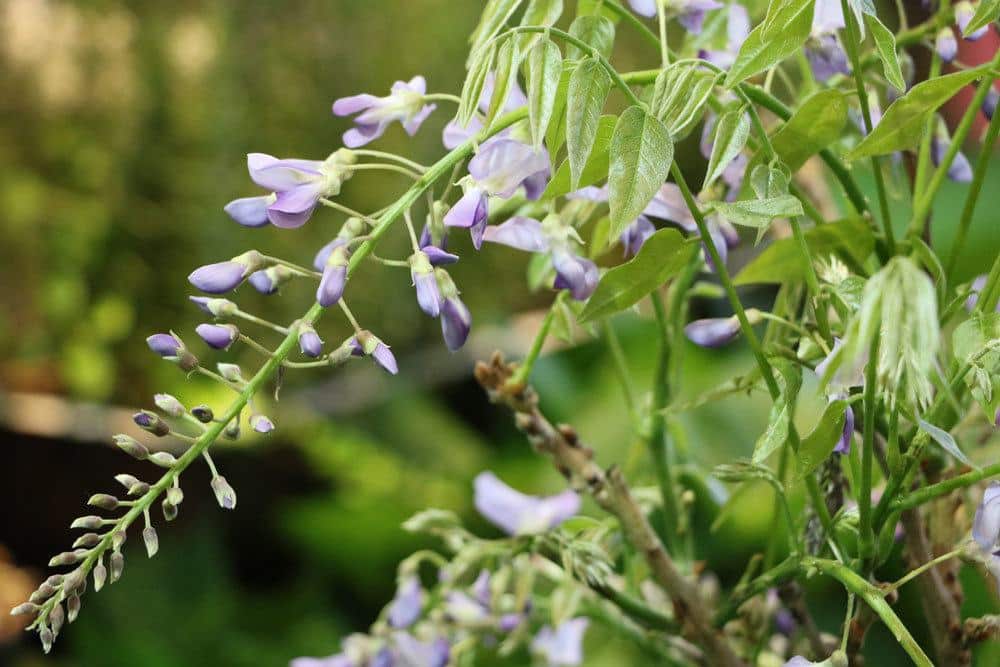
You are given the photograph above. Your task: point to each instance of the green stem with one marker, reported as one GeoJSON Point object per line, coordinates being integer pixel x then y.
{"type": "Point", "coordinates": [812, 281]}
{"type": "Point", "coordinates": [873, 596]}
{"type": "Point", "coordinates": [909, 576]}
{"type": "Point", "coordinates": [924, 150]}
{"type": "Point", "coordinates": [657, 439]}
{"type": "Point", "coordinates": [621, 367]}
{"type": "Point", "coordinates": [929, 493]}
{"type": "Point", "coordinates": [866, 536]}
{"type": "Point", "coordinates": [523, 371]}
{"type": "Point", "coordinates": [972, 198]}
{"type": "Point", "coordinates": [989, 295]}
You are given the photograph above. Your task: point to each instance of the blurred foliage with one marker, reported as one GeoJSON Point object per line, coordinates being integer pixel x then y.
{"type": "Point", "coordinates": [123, 135]}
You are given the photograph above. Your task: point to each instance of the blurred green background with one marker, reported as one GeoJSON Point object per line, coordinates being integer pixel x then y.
{"type": "Point", "coordinates": [123, 131]}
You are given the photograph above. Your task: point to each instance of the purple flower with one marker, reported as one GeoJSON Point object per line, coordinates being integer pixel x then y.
{"type": "Point", "coordinates": [219, 336]}
{"type": "Point", "coordinates": [456, 322]}
{"type": "Point", "coordinates": [636, 234]}
{"type": "Point", "coordinates": [426, 284]}
{"type": "Point", "coordinates": [220, 277]}
{"type": "Point", "coordinates": [713, 332]}
{"type": "Point", "coordinates": [990, 103]}
{"type": "Point", "coordinates": [577, 274]}
{"type": "Point", "coordinates": [261, 424]}
{"type": "Point", "coordinates": [309, 341]}
{"type": "Point", "coordinates": [298, 185]}
{"type": "Point", "coordinates": [826, 57]}
{"type": "Point", "coordinates": [691, 13]}
{"type": "Point", "coordinates": [986, 523]}
{"type": "Point", "coordinates": [960, 170]}
{"type": "Point", "coordinates": [737, 30]}
{"type": "Point", "coordinates": [331, 285]}
{"type": "Point", "coordinates": [365, 343]}
{"type": "Point", "coordinates": [946, 45]}
{"type": "Point", "coordinates": [437, 256]}
{"type": "Point", "coordinates": [267, 281]}
{"type": "Point", "coordinates": [250, 211]}
{"type": "Point", "coordinates": [215, 307]}
{"type": "Point", "coordinates": [406, 606]}
{"type": "Point", "coordinates": [405, 104]}
{"type": "Point", "coordinates": [799, 661]}
{"type": "Point", "coordinates": [828, 17]}
{"type": "Point", "coordinates": [643, 7]}
{"type": "Point", "coordinates": [520, 514]}
{"type": "Point", "coordinates": [499, 168]}
{"type": "Point", "coordinates": [454, 134]}
{"type": "Point", "coordinates": [562, 647]}
{"type": "Point", "coordinates": [415, 653]}
{"type": "Point", "coordinates": [339, 660]}
{"type": "Point", "coordinates": [464, 609]}
{"type": "Point", "coordinates": [843, 445]}
{"type": "Point", "coordinates": [964, 11]}
{"type": "Point", "coordinates": [164, 344]}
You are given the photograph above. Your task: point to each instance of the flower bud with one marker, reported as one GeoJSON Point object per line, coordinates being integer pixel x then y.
{"type": "Point", "coordinates": [269, 280]}
{"type": "Point", "coordinates": [218, 336]}
{"type": "Point", "coordinates": [44, 592]}
{"type": "Point", "coordinates": [117, 566]}
{"type": "Point", "coordinates": [72, 607]}
{"type": "Point", "coordinates": [100, 575]}
{"type": "Point", "coordinates": [56, 618]}
{"type": "Point", "coordinates": [104, 501]}
{"type": "Point", "coordinates": [175, 495]}
{"type": "Point", "coordinates": [171, 348]}
{"type": "Point", "coordinates": [230, 372]}
{"type": "Point", "coordinates": [46, 637]}
{"type": "Point", "coordinates": [169, 510]}
{"type": "Point", "coordinates": [365, 343]}
{"type": "Point", "coordinates": [331, 285]}
{"type": "Point", "coordinates": [250, 211]}
{"type": "Point", "coordinates": [232, 430]}
{"type": "Point", "coordinates": [25, 608]}
{"type": "Point", "coordinates": [87, 541]}
{"type": "Point", "coordinates": [214, 306]}
{"type": "Point", "coordinates": [713, 332]}
{"type": "Point", "coordinates": [222, 277]}
{"type": "Point", "coordinates": [946, 45]}
{"type": "Point", "coordinates": [151, 541]}
{"type": "Point", "coordinates": [422, 273]}
{"type": "Point", "coordinates": [261, 424]}
{"type": "Point", "coordinates": [55, 580]}
{"type": "Point", "coordinates": [203, 413]}
{"type": "Point", "coordinates": [87, 523]}
{"type": "Point", "coordinates": [118, 539]}
{"type": "Point", "coordinates": [309, 341]}
{"type": "Point", "coordinates": [964, 11]}
{"type": "Point", "coordinates": [169, 405]}
{"type": "Point", "coordinates": [224, 493]}
{"type": "Point", "coordinates": [990, 103]}
{"type": "Point", "coordinates": [163, 459]}
{"type": "Point", "coordinates": [151, 422]}
{"type": "Point", "coordinates": [131, 446]}
{"type": "Point", "coordinates": [68, 557]}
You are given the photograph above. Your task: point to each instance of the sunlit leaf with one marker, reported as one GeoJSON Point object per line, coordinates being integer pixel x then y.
{"type": "Point", "coordinates": [987, 12]}
{"type": "Point", "coordinates": [731, 132]}
{"type": "Point", "coordinates": [596, 168]}
{"type": "Point", "coordinates": [588, 88]}
{"type": "Point", "coordinates": [815, 125]}
{"type": "Point", "coordinates": [595, 31]}
{"type": "Point", "coordinates": [791, 22]}
{"type": "Point", "coordinates": [544, 70]}
{"type": "Point", "coordinates": [641, 154]}
{"type": "Point", "coordinates": [885, 46]}
{"type": "Point", "coordinates": [816, 447]}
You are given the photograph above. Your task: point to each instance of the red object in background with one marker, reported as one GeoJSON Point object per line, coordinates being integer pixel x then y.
{"type": "Point", "coordinates": [972, 54]}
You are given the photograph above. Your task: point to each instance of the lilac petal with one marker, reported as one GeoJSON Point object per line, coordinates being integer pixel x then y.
{"type": "Point", "coordinates": [261, 424]}
{"type": "Point", "coordinates": [249, 211]}
{"type": "Point", "coordinates": [738, 26]}
{"type": "Point", "coordinates": [360, 134]}
{"type": "Point", "coordinates": [713, 332]}
{"type": "Point", "coordinates": [515, 96]}
{"type": "Point", "coordinates": [590, 193]}
{"type": "Point", "coordinates": [643, 7]}
{"type": "Point", "coordinates": [345, 106]}
{"type": "Point", "coordinates": [456, 321]}
{"type": "Point", "coordinates": [519, 232]}
{"type": "Point", "coordinates": [946, 45]}
{"type": "Point", "coordinates": [319, 261]}
{"type": "Point", "coordinates": [976, 287]}
{"type": "Point", "coordinates": [694, 18]}
{"type": "Point", "coordinates": [294, 207]}
{"type": "Point", "coordinates": [339, 660]}
{"type": "Point", "coordinates": [165, 345]}
{"type": "Point", "coordinates": [827, 57]}
{"type": "Point", "coordinates": [428, 294]}
{"type": "Point", "coordinates": [219, 336]}
{"type": "Point", "coordinates": [412, 125]}
{"type": "Point", "coordinates": [798, 661]}
{"type": "Point", "coordinates": [477, 232]}
{"type": "Point", "coordinates": [719, 240]}
{"type": "Point", "coordinates": [501, 165]}
{"type": "Point", "coordinates": [271, 173]}
{"type": "Point", "coordinates": [331, 285]}
{"type": "Point", "coordinates": [384, 357]}
{"type": "Point", "coordinates": [990, 103]}
{"type": "Point", "coordinates": [481, 589]}
{"type": "Point", "coordinates": [534, 185]}
{"type": "Point", "coordinates": [407, 605]}
{"type": "Point", "coordinates": [828, 17]}
{"type": "Point", "coordinates": [455, 135]}
{"type": "Point", "coordinates": [310, 343]}
{"type": "Point", "coordinates": [636, 234]}
{"type": "Point", "coordinates": [707, 135]}
{"type": "Point", "coordinates": [463, 609]}
{"type": "Point", "coordinates": [668, 204]}
{"type": "Point", "coordinates": [562, 647]}
{"type": "Point", "coordinates": [262, 282]}
{"type": "Point", "coordinates": [964, 11]}
{"type": "Point", "coordinates": [437, 256]}
{"type": "Point", "coordinates": [469, 211]}
{"type": "Point", "coordinates": [520, 514]}
{"type": "Point", "coordinates": [960, 170]}
{"type": "Point", "coordinates": [843, 445]}
{"type": "Point", "coordinates": [414, 653]}
{"type": "Point", "coordinates": [986, 523]}
{"type": "Point", "coordinates": [218, 278]}
{"type": "Point", "coordinates": [577, 274]}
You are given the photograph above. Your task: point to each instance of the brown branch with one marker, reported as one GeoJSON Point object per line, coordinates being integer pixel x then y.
{"type": "Point", "coordinates": [609, 489]}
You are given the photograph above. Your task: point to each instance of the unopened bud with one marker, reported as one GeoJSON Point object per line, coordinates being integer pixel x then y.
{"type": "Point", "coordinates": [117, 566]}
{"type": "Point", "coordinates": [56, 619]}
{"type": "Point", "coordinates": [55, 580]}
{"type": "Point", "coordinates": [118, 539]}
{"type": "Point", "coordinates": [224, 493]}
{"type": "Point", "coordinates": [68, 557]}
{"type": "Point", "coordinates": [46, 637]}
{"type": "Point", "coordinates": [175, 495]}
{"type": "Point", "coordinates": [163, 459]}
{"type": "Point", "coordinates": [103, 501]}
{"type": "Point", "coordinates": [24, 608]}
{"type": "Point", "coordinates": [88, 541]}
{"type": "Point", "coordinates": [203, 413]}
{"type": "Point", "coordinates": [75, 581]}
{"type": "Point", "coordinates": [169, 405]}
{"type": "Point", "coordinates": [230, 372]}
{"type": "Point", "coordinates": [72, 607]}
{"type": "Point", "coordinates": [131, 446]}
{"type": "Point", "coordinates": [169, 510]}
{"type": "Point", "coordinates": [342, 354]}
{"type": "Point", "coordinates": [43, 593]}
{"type": "Point", "coordinates": [100, 575]}
{"type": "Point", "coordinates": [87, 522]}
{"type": "Point", "coordinates": [232, 429]}
{"type": "Point", "coordinates": [261, 424]}
{"type": "Point", "coordinates": [216, 307]}
{"type": "Point", "coordinates": [150, 540]}
{"type": "Point", "coordinates": [151, 422]}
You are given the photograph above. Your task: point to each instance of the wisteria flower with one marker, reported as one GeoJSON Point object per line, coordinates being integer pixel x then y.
{"type": "Point", "coordinates": [519, 514]}
{"type": "Point", "coordinates": [959, 170]}
{"type": "Point", "coordinates": [824, 51]}
{"type": "Point", "coordinates": [946, 45]}
{"type": "Point", "coordinates": [689, 13]}
{"type": "Point", "coordinates": [296, 185]}
{"type": "Point", "coordinates": [164, 344]}
{"type": "Point", "coordinates": [964, 11]}
{"type": "Point", "coordinates": [223, 277]}
{"type": "Point", "coordinates": [415, 653]}
{"type": "Point", "coordinates": [737, 31]}
{"type": "Point", "coordinates": [454, 134]}
{"type": "Point", "coordinates": [562, 646]}
{"type": "Point", "coordinates": [219, 336]}
{"type": "Point", "coordinates": [367, 344]}
{"type": "Point", "coordinates": [406, 606]}
{"type": "Point", "coordinates": [310, 343]}
{"type": "Point", "coordinates": [499, 168]}
{"type": "Point", "coordinates": [713, 332]}
{"type": "Point", "coordinates": [404, 104]}
{"type": "Point", "coordinates": [426, 284]}
{"type": "Point", "coordinates": [334, 279]}
{"type": "Point", "coordinates": [261, 424]}
{"type": "Point", "coordinates": [456, 320]}
{"type": "Point", "coordinates": [573, 272]}
{"type": "Point", "coordinates": [990, 103]}
{"type": "Point", "coordinates": [635, 235]}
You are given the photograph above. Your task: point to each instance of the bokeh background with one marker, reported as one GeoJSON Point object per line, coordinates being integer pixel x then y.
{"type": "Point", "coordinates": [123, 131]}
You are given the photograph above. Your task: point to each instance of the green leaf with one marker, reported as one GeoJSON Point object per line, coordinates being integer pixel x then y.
{"type": "Point", "coordinates": [885, 46]}
{"type": "Point", "coordinates": [595, 31]}
{"type": "Point", "coordinates": [544, 70]}
{"type": "Point", "coordinates": [782, 411]}
{"type": "Point", "coordinates": [588, 88]}
{"type": "Point", "coordinates": [731, 132]}
{"type": "Point", "coordinates": [641, 153]}
{"type": "Point", "coordinates": [904, 121]}
{"type": "Point", "coordinates": [538, 13]}
{"type": "Point", "coordinates": [816, 446]}
{"type": "Point", "coordinates": [974, 334]}
{"type": "Point", "coordinates": [555, 135]}
{"type": "Point", "coordinates": [495, 15]}
{"type": "Point", "coordinates": [596, 7]}
{"type": "Point", "coordinates": [933, 265]}
{"type": "Point", "coordinates": [790, 23]}
{"type": "Point", "coordinates": [782, 262]}
{"type": "Point", "coordinates": [946, 441]}
{"type": "Point", "coordinates": [759, 213]}
{"type": "Point", "coordinates": [986, 13]}
{"type": "Point", "coordinates": [679, 95]}
{"type": "Point", "coordinates": [661, 257]}
{"type": "Point", "coordinates": [814, 126]}
{"type": "Point", "coordinates": [473, 87]}
{"type": "Point", "coordinates": [596, 168]}
{"type": "Point", "coordinates": [507, 61]}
